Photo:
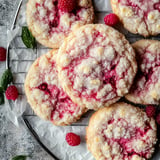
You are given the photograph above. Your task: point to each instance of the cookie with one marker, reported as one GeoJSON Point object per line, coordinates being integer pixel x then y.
{"type": "Point", "coordinates": [45, 95]}
{"type": "Point", "coordinates": [139, 16]}
{"type": "Point", "coordinates": [50, 25]}
{"type": "Point", "coordinates": [96, 65]}
{"type": "Point", "coordinates": [145, 89]}
{"type": "Point", "coordinates": [121, 132]}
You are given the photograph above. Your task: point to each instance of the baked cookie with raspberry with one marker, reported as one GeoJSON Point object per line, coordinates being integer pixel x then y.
{"type": "Point", "coordinates": [145, 89]}
{"type": "Point", "coordinates": [50, 21]}
{"type": "Point", "coordinates": [121, 132]}
{"type": "Point", "coordinates": [45, 95]}
{"type": "Point", "coordinates": [139, 16]}
{"type": "Point", "coordinates": [96, 65]}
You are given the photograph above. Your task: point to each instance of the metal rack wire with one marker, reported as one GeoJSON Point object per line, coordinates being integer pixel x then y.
{"type": "Point", "coordinates": [20, 84]}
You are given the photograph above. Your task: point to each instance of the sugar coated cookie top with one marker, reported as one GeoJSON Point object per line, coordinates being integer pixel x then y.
{"type": "Point", "coordinates": [45, 94]}
{"type": "Point", "coordinates": [139, 16]}
{"type": "Point", "coordinates": [50, 25]}
{"type": "Point", "coordinates": [145, 89]}
{"type": "Point", "coordinates": [121, 132]}
{"type": "Point", "coordinates": [96, 65]}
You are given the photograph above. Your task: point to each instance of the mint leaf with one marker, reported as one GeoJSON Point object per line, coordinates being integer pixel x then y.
{"type": "Point", "coordinates": [1, 98]}
{"type": "Point", "coordinates": [27, 38]}
{"type": "Point", "coordinates": [1, 90]}
{"type": "Point", "coordinates": [6, 79]}
{"type": "Point", "coordinates": [19, 157]}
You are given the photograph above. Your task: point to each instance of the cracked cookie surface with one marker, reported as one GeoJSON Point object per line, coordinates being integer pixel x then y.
{"type": "Point", "coordinates": [50, 25]}
{"type": "Point", "coordinates": [96, 65]}
{"type": "Point", "coordinates": [121, 132]}
{"type": "Point", "coordinates": [144, 14]}
{"type": "Point", "coordinates": [145, 89]}
{"type": "Point", "coordinates": [45, 95]}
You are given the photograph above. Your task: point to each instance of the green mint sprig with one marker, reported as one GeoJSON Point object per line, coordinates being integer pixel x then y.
{"type": "Point", "coordinates": [19, 157]}
{"type": "Point", "coordinates": [6, 79]}
{"type": "Point", "coordinates": [28, 38]}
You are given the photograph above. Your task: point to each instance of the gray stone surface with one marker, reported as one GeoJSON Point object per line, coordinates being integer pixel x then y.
{"type": "Point", "coordinates": [13, 140]}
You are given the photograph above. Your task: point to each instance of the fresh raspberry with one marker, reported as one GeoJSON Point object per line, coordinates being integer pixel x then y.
{"type": "Point", "coordinates": [150, 111]}
{"type": "Point", "coordinates": [2, 54]}
{"type": "Point", "coordinates": [111, 19]}
{"type": "Point", "coordinates": [73, 139]}
{"type": "Point", "coordinates": [67, 5]}
{"type": "Point", "coordinates": [158, 118]}
{"type": "Point", "coordinates": [11, 93]}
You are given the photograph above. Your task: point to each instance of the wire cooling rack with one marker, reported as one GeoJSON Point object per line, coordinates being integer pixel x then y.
{"type": "Point", "coordinates": [16, 60]}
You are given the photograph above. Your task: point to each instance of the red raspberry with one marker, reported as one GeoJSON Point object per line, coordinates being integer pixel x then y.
{"type": "Point", "coordinates": [67, 5]}
{"type": "Point", "coordinates": [2, 54]}
{"type": "Point", "coordinates": [73, 139]}
{"type": "Point", "coordinates": [11, 93]}
{"type": "Point", "coordinates": [111, 19]}
{"type": "Point", "coordinates": [157, 6]}
{"type": "Point", "coordinates": [158, 118]}
{"type": "Point", "coordinates": [150, 111]}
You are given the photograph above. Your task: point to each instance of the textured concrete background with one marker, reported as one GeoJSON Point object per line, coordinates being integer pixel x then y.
{"type": "Point", "coordinates": [13, 140]}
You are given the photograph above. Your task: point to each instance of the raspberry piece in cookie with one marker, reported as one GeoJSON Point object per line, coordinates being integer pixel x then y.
{"type": "Point", "coordinates": [145, 89]}
{"type": "Point", "coordinates": [67, 5]}
{"type": "Point", "coordinates": [96, 65]}
{"type": "Point", "coordinates": [139, 16]}
{"type": "Point", "coordinates": [45, 94]}
{"type": "Point", "coordinates": [121, 132]}
{"type": "Point", "coordinates": [50, 21]}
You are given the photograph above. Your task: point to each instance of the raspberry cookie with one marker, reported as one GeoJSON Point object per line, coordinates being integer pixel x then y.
{"type": "Point", "coordinates": [50, 23]}
{"type": "Point", "coordinates": [96, 65]}
{"type": "Point", "coordinates": [121, 132]}
{"type": "Point", "coordinates": [139, 16]}
{"type": "Point", "coordinates": [145, 89]}
{"type": "Point", "coordinates": [45, 95]}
